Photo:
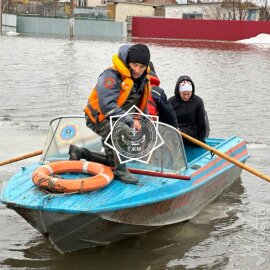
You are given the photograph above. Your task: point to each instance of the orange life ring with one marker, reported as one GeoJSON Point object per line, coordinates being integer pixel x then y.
{"type": "Point", "coordinates": [43, 176]}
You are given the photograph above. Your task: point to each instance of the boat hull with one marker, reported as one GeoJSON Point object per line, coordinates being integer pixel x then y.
{"type": "Point", "coordinates": [177, 209]}
{"type": "Point", "coordinates": [69, 232]}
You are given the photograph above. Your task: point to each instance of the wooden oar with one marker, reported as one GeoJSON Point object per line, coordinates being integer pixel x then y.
{"type": "Point", "coordinates": [36, 153]}
{"type": "Point", "coordinates": [228, 158]}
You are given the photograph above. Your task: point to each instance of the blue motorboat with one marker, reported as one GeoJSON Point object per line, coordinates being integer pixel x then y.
{"type": "Point", "coordinates": [175, 184]}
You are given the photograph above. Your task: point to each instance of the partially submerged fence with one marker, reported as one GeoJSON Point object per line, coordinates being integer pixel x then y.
{"type": "Point", "coordinates": [151, 27]}
{"type": "Point", "coordinates": [61, 26]}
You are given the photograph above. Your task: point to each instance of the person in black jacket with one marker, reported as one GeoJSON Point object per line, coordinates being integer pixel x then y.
{"type": "Point", "coordinates": [189, 109]}
{"type": "Point", "coordinates": [158, 103]}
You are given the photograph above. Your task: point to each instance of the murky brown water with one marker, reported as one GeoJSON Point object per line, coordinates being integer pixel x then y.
{"type": "Point", "coordinates": [41, 78]}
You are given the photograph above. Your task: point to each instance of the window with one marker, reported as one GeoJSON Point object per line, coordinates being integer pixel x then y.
{"type": "Point", "coordinates": [192, 16]}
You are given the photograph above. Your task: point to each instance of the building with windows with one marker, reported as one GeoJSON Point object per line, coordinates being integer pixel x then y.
{"type": "Point", "coordinates": [212, 11]}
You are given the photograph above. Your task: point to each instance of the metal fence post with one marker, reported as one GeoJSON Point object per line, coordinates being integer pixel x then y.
{"type": "Point", "coordinates": [0, 17]}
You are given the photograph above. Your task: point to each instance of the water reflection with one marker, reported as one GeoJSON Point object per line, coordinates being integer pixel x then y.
{"type": "Point", "coordinates": [198, 44]}
{"type": "Point", "coordinates": [80, 37]}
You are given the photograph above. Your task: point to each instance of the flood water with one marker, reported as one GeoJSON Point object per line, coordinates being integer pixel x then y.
{"type": "Point", "coordinates": [41, 78]}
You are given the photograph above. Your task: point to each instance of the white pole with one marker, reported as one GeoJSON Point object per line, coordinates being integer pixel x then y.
{"type": "Point", "coordinates": [71, 21]}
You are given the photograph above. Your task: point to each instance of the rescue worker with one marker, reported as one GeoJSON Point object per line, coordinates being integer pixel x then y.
{"type": "Point", "coordinates": [118, 89]}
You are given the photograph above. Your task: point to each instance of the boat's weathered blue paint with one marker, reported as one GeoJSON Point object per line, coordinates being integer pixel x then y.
{"type": "Point", "coordinates": [76, 221]}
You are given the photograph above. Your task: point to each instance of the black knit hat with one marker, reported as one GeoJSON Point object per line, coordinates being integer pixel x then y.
{"type": "Point", "coordinates": [138, 53]}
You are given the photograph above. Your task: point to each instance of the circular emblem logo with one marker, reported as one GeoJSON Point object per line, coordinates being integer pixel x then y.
{"type": "Point", "coordinates": [68, 132]}
{"type": "Point", "coordinates": [132, 143]}
{"type": "Point", "coordinates": [109, 83]}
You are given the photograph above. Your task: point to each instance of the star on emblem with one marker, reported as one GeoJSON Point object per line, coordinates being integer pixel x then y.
{"type": "Point", "coordinates": [130, 143]}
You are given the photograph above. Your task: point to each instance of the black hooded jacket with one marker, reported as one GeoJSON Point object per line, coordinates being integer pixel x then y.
{"type": "Point", "coordinates": [190, 114]}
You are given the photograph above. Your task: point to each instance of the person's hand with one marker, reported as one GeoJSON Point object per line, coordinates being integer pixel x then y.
{"type": "Point", "coordinates": [137, 124]}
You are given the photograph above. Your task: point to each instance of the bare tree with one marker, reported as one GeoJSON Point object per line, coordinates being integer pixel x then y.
{"type": "Point", "coordinates": [264, 10]}
{"type": "Point", "coordinates": [228, 9]}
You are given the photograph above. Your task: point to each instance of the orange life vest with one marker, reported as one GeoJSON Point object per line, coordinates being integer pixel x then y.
{"type": "Point", "coordinates": [92, 109]}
